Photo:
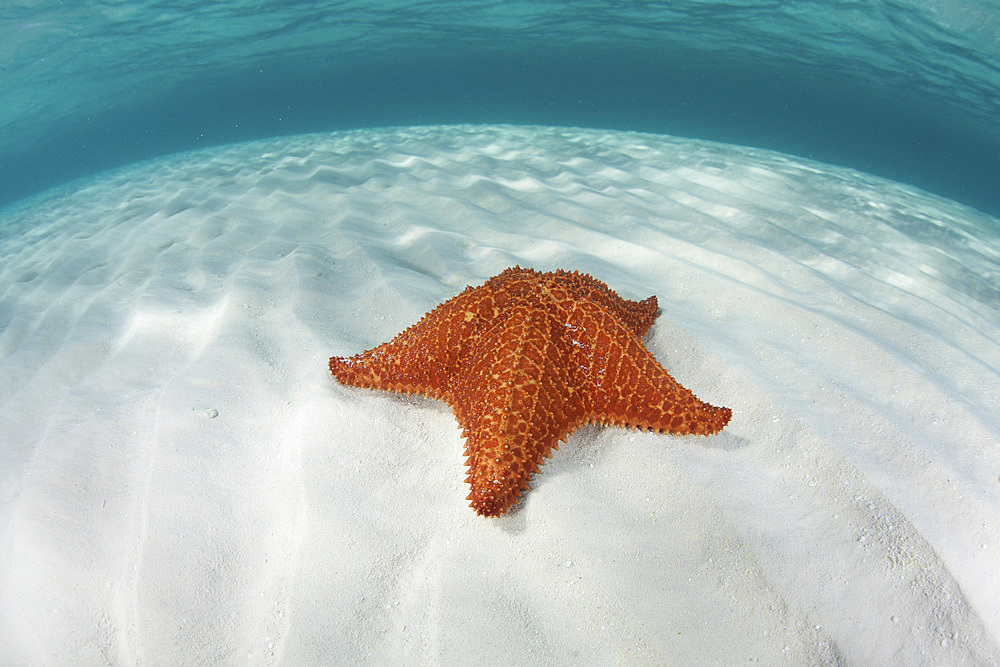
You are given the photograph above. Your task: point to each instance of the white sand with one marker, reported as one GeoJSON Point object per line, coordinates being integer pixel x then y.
{"type": "Point", "coordinates": [183, 481]}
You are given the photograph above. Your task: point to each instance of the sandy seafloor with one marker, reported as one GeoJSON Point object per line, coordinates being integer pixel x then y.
{"type": "Point", "coordinates": [183, 482]}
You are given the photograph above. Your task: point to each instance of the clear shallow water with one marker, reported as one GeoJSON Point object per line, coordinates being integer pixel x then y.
{"type": "Point", "coordinates": [908, 90]}
{"type": "Point", "coordinates": [182, 480]}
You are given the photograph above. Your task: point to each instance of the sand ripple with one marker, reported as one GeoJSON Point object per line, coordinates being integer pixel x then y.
{"type": "Point", "coordinates": [183, 482]}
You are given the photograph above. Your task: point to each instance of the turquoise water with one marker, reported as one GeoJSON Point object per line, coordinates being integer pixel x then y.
{"type": "Point", "coordinates": [182, 481]}
{"type": "Point", "coordinates": [906, 90]}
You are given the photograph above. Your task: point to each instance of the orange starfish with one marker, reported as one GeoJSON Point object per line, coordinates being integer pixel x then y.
{"type": "Point", "coordinates": [524, 361]}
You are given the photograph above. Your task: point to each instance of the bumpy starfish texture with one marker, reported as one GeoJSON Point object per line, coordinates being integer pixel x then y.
{"type": "Point", "coordinates": [525, 360]}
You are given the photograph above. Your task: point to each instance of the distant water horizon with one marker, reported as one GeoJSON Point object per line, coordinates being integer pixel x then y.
{"type": "Point", "coordinates": [904, 91]}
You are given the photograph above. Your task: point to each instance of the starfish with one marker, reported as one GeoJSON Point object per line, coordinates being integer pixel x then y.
{"type": "Point", "coordinates": [523, 361]}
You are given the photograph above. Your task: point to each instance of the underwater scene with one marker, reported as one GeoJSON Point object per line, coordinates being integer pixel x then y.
{"type": "Point", "coordinates": [507, 332]}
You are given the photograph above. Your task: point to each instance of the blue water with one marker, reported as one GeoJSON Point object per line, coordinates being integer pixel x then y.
{"type": "Point", "coordinates": [907, 90]}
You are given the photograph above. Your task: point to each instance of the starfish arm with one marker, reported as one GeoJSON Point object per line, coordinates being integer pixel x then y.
{"type": "Point", "coordinates": [569, 286]}
{"type": "Point", "coordinates": [637, 316]}
{"type": "Point", "coordinates": [516, 402]}
{"type": "Point", "coordinates": [382, 368]}
{"type": "Point", "coordinates": [425, 357]}
{"type": "Point", "coordinates": [627, 386]}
